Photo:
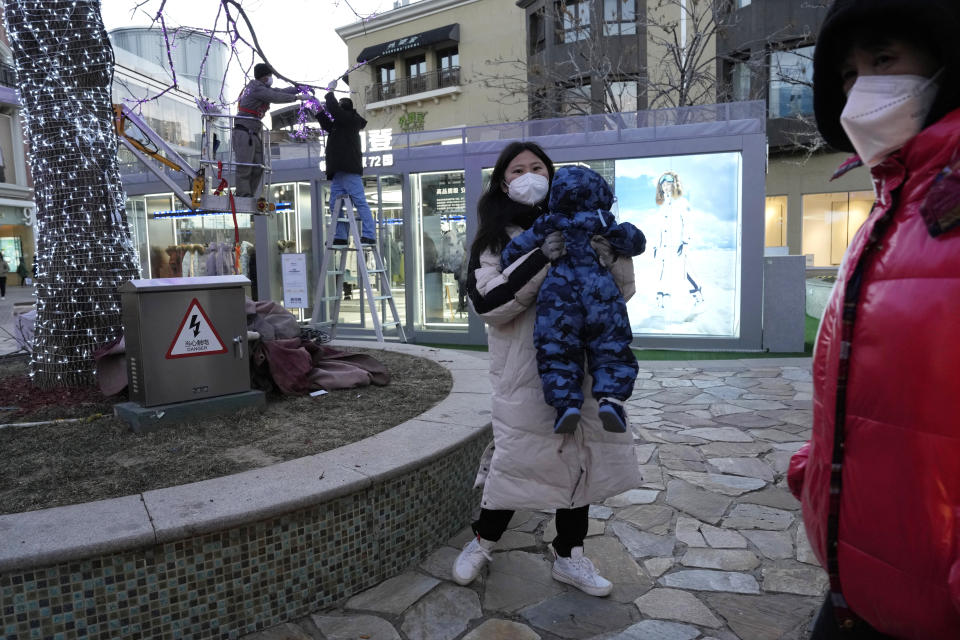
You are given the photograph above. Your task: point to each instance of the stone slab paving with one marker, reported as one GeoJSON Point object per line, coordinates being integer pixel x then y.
{"type": "Point", "coordinates": [711, 546]}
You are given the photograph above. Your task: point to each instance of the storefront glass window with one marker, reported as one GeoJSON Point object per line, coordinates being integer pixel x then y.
{"type": "Point", "coordinates": [354, 308]}
{"type": "Point", "coordinates": [439, 206]}
{"type": "Point", "coordinates": [305, 235]}
{"type": "Point", "coordinates": [172, 245]}
{"type": "Point", "coordinates": [204, 245]}
{"type": "Point", "coordinates": [12, 254]}
{"type": "Point", "coordinates": [775, 234]}
{"type": "Point", "coordinates": [830, 221]}
{"type": "Point", "coordinates": [288, 237]}
{"type": "Point", "coordinates": [293, 227]}
{"type": "Point", "coordinates": [137, 220]}
{"type": "Point", "coordinates": [160, 235]}
{"type": "Point", "coordinates": [391, 238]}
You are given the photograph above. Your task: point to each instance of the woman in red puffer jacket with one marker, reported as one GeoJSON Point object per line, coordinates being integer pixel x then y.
{"type": "Point", "coordinates": [880, 478]}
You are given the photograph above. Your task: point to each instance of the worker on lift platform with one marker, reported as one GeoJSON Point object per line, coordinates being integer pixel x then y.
{"type": "Point", "coordinates": [247, 143]}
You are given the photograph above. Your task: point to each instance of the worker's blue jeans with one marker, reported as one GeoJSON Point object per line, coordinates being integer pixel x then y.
{"type": "Point", "coordinates": [351, 184]}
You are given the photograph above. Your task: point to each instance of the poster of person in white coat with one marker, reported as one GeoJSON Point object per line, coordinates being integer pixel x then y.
{"type": "Point", "coordinates": [688, 281]}
{"type": "Point", "coordinates": [673, 245]}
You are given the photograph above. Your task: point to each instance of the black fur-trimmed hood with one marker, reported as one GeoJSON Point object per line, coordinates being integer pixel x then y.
{"type": "Point", "coordinates": [937, 20]}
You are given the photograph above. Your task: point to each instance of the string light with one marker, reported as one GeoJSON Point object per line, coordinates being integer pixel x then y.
{"type": "Point", "coordinates": [64, 65]}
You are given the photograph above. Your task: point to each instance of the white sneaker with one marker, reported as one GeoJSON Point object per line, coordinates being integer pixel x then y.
{"type": "Point", "coordinates": [471, 560]}
{"type": "Point", "coordinates": [577, 570]}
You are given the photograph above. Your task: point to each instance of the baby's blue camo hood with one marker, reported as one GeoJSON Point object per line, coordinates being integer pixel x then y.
{"type": "Point", "coordinates": [579, 189]}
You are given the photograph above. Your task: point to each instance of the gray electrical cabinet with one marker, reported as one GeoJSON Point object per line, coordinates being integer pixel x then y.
{"type": "Point", "coordinates": [186, 338]}
{"type": "Point", "coordinates": [784, 302]}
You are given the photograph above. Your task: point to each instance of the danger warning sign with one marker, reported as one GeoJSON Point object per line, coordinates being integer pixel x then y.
{"type": "Point", "coordinates": [196, 335]}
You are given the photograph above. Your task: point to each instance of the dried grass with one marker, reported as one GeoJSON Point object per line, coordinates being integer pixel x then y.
{"type": "Point", "coordinates": [67, 463]}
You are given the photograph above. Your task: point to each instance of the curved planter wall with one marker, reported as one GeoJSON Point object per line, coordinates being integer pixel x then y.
{"type": "Point", "coordinates": [232, 555]}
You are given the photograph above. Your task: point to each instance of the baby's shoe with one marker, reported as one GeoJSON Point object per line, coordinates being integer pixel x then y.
{"type": "Point", "coordinates": [612, 416]}
{"type": "Point", "coordinates": [567, 420]}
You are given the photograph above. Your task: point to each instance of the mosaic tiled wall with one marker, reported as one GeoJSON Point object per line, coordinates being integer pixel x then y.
{"type": "Point", "coordinates": [226, 584]}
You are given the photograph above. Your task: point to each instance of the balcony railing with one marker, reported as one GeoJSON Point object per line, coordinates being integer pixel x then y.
{"type": "Point", "coordinates": [7, 76]}
{"type": "Point", "coordinates": [410, 86]}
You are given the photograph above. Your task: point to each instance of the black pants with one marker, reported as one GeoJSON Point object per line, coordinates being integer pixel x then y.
{"type": "Point", "coordinates": [571, 527]}
{"type": "Point", "coordinates": [3, 286]}
{"type": "Point", "coordinates": [826, 628]}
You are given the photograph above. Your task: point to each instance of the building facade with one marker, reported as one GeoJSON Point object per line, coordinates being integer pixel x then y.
{"type": "Point", "coordinates": [606, 56]}
{"type": "Point", "coordinates": [434, 64]}
{"type": "Point", "coordinates": [17, 208]}
{"type": "Point", "coordinates": [766, 52]}
{"type": "Point", "coordinates": [584, 56]}
{"type": "Point", "coordinates": [423, 178]}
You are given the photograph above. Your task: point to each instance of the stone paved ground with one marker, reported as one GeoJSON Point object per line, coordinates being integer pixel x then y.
{"type": "Point", "coordinates": [711, 546]}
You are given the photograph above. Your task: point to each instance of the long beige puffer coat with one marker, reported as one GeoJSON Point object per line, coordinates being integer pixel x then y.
{"type": "Point", "coordinates": [528, 466]}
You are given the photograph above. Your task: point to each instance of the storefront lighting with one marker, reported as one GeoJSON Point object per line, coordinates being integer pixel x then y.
{"type": "Point", "coordinates": [190, 213]}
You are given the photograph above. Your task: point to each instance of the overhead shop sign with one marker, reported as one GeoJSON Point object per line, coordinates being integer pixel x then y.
{"type": "Point", "coordinates": [196, 335]}
{"type": "Point", "coordinates": [375, 145]}
{"type": "Point", "coordinates": [449, 33]}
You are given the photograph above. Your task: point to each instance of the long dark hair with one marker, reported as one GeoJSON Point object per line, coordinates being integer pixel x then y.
{"type": "Point", "coordinates": [495, 209]}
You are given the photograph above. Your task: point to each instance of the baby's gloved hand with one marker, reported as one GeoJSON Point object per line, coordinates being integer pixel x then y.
{"type": "Point", "coordinates": [605, 252]}
{"type": "Point", "coordinates": [553, 246]}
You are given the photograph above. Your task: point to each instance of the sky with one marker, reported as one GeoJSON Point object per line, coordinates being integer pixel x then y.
{"type": "Point", "coordinates": [297, 35]}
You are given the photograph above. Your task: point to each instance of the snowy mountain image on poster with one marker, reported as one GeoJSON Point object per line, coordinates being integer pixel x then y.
{"type": "Point", "coordinates": [688, 280]}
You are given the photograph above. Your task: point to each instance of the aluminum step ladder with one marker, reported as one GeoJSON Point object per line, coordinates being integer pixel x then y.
{"type": "Point", "coordinates": [344, 211]}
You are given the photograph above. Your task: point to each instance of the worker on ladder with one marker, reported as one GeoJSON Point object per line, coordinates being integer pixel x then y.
{"type": "Point", "coordinates": [247, 142]}
{"type": "Point", "coordinates": [344, 161]}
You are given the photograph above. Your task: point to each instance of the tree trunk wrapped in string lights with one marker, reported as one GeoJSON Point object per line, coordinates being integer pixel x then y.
{"type": "Point", "coordinates": [64, 64]}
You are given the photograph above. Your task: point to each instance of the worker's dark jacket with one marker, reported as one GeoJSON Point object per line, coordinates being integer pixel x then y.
{"type": "Point", "coordinates": [343, 142]}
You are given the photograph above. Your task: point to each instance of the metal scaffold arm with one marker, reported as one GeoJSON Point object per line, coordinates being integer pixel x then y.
{"type": "Point", "coordinates": [153, 160]}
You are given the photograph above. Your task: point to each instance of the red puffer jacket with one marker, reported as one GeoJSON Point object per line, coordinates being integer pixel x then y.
{"type": "Point", "coordinates": [899, 534]}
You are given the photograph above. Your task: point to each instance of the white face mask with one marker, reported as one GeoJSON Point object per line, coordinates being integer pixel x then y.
{"type": "Point", "coordinates": [268, 80]}
{"type": "Point", "coordinates": [884, 112]}
{"type": "Point", "coordinates": [530, 188]}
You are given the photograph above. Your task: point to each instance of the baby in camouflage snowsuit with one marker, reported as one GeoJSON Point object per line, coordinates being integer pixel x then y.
{"type": "Point", "coordinates": [579, 306]}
